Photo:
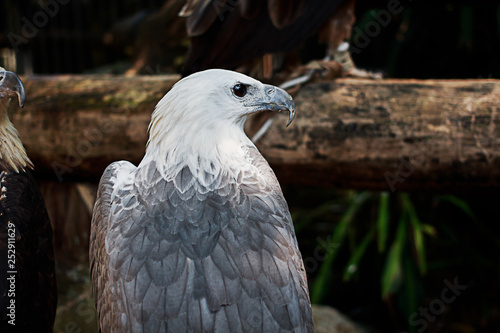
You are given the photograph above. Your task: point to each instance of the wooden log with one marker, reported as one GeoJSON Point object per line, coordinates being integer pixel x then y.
{"type": "Point", "coordinates": [381, 135]}
{"type": "Point", "coordinates": [75, 126]}
{"type": "Point", "coordinates": [392, 135]}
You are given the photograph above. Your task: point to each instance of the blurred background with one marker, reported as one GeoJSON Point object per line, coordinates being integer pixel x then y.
{"type": "Point", "coordinates": [428, 39]}
{"type": "Point", "coordinates": [384, 259]}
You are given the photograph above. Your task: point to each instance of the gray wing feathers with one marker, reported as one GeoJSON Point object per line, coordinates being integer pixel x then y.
{"type": "Point", "coordinates": [189, 255]}
{"type": "Point", "coordinates": [101, 288]}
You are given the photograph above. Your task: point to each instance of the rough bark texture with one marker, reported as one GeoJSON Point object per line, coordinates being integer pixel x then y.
{"type": "Point", "coordinates": [392, 135]}
{"type": "Point", "coordinates": [75, 126]}
{"type": "Point", "coordinates": [383, 135]}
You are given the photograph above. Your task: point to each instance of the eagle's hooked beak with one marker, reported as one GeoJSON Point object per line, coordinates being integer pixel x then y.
{"type": "Point", "coordinates": [11, 83]}
{"type": "Point", "coordinates": [277, 99]}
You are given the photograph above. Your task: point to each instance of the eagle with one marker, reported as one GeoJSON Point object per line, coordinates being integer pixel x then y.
{"type": "Point", "coordinates": [234, 34]}
{"type": "Point", "coordinates": [198, 237]}
{"type": "Point", "coordinates": [28, 293]}
{"type": "Point", "coordinates": [227, 33]}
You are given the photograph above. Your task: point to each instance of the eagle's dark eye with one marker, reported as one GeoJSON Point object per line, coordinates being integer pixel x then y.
{"type": "Point", "coordinates": [240, 90]}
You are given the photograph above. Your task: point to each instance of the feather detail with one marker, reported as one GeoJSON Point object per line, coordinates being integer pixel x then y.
{"type": "Point", "coordinates": [12, 153]}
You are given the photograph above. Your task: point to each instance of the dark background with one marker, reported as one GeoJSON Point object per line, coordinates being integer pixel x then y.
{"type": "Point", "coordinates": [428, 39]}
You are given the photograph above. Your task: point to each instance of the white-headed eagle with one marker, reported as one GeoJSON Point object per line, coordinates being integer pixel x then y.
{"type": "Point", "coordinates": [198, 237]}
{"type": "Point", "coordinates": [28, 294]}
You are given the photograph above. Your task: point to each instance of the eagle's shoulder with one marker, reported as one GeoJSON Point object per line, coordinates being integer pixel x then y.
{"type": "Point", "coordinates": [115, 177]}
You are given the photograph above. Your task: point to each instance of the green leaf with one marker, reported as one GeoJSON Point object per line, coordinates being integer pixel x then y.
{"type": "Point", "coordinates": [353, 263]}
{"type": "Point", "coordinates": [321, 284]}
{"type": "Point", "coordinates": [460, 204]}
{"type": "Point", "coordinates": [383, 221]}
{"type": "Point", "coordinates": [478, 224]}
{"type": "Point", "coordinates": [417, 228]}
{"type": "Point", "coordinates": [391, 275]}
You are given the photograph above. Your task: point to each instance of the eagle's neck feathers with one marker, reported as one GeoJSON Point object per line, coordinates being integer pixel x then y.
{"type": "Point", "coordinates": [225, 153]}
{"type": "Point", "coordinates": [12, 153]}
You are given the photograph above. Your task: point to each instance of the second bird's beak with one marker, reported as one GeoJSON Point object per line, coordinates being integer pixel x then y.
{"type": "Point", "coordinates": [276, 99]}
{"type": "Point", "coordinates": [10, 83]}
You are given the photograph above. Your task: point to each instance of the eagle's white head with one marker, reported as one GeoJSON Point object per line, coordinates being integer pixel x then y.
{"type": "Point", "coordinates": [204, 113]}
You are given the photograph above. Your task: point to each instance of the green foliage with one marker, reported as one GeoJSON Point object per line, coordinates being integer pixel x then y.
{"type": "Point", "coordinates": [459, 203]}
{"type": "Point", "coordinates": [322, 281]}
{"type": "Point", "coordinates": [383, 221]}
{"type": "Point", "coordinates": [407, 244]}
{"type": "Point", "coordinates": [357, 255]}
{"type": "Point", "coordinates": [396, 229]}
{"type": "Point", "coordinates": [417, 230]}
{"type": "Point", "coordinates": [391, 274]}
